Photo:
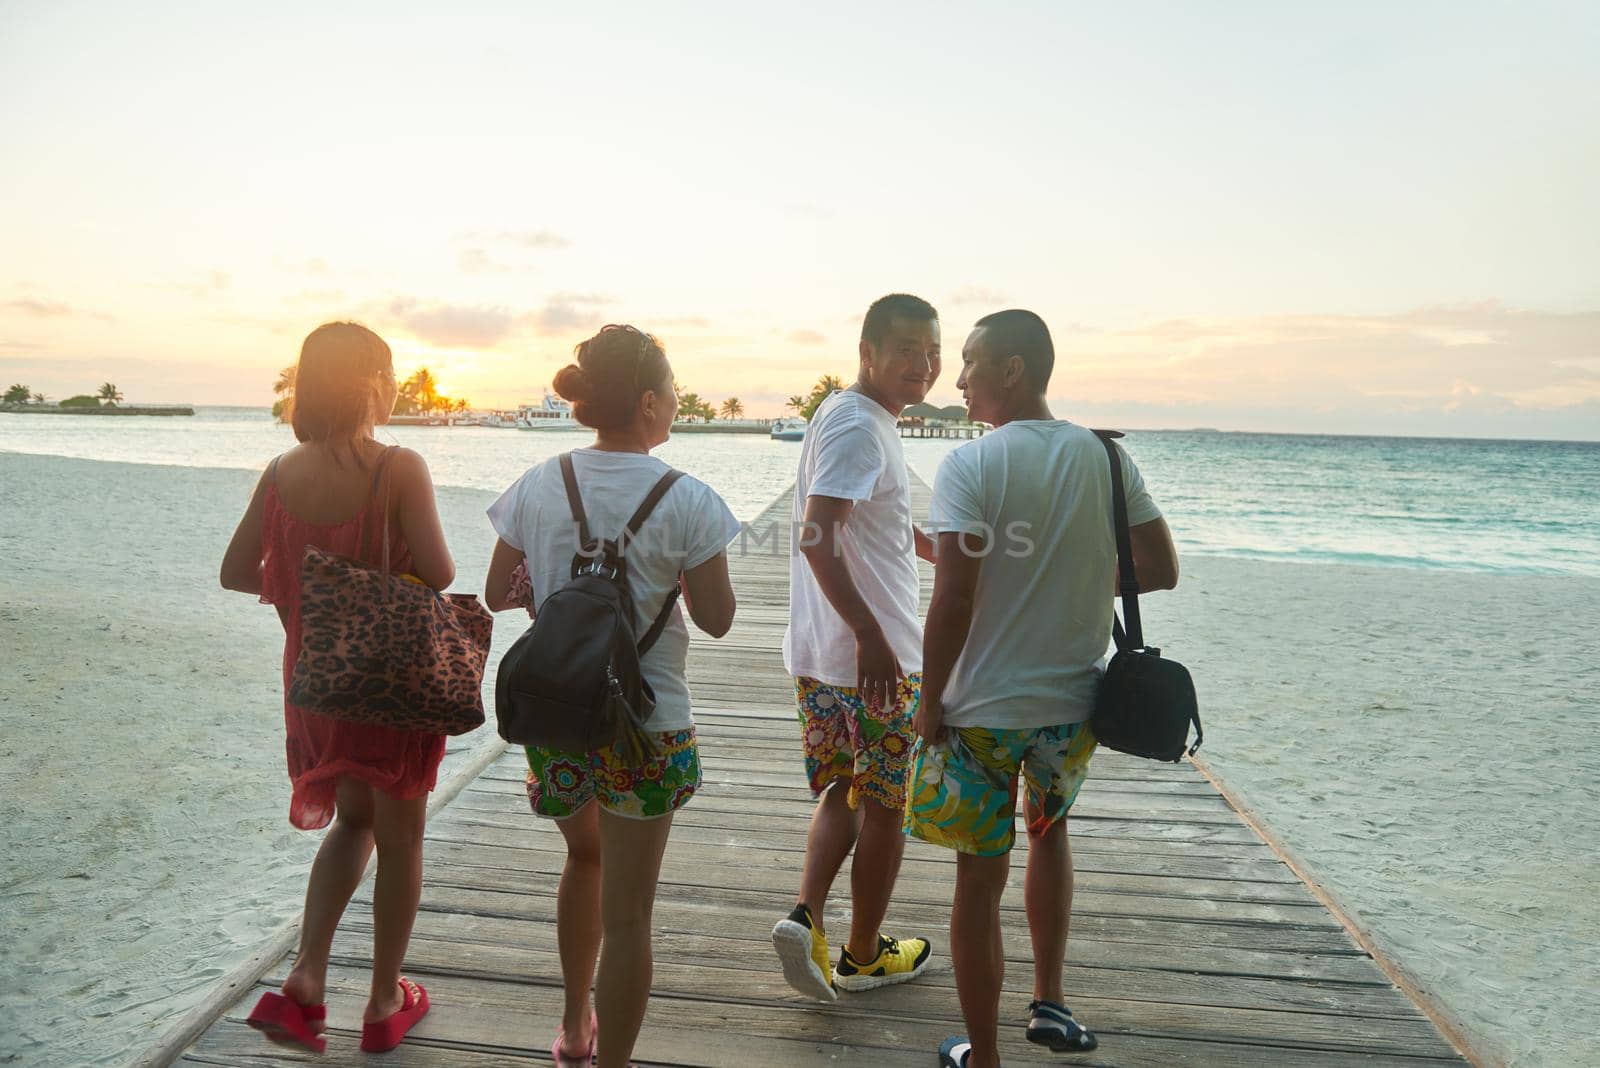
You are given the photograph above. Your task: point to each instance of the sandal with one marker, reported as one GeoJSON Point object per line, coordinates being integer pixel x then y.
{"type": "Point", "coordinates": [387, 1033]}
{"type": "Point", "coordinates": [563, 1059]}
{"type": "Point", "coordinates": [287, 1022]}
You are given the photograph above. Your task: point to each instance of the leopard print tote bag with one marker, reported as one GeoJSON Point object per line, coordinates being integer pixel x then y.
{"type": "Point", "coordinates": [380, 648]}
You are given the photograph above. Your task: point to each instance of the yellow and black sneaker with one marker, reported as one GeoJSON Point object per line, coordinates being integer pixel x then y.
{"type": "Point", "coordinates": [804, 952]}
{"type": "Point", "coordinates": [896, 962]}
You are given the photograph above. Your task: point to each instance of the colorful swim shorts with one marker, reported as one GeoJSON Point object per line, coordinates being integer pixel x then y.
{"type": "Point", "coordinates": [559, 784]}
{"type": "Point", "coordinates": [845, 738]}
{"type": "Point", "coordinates": [964, 788]}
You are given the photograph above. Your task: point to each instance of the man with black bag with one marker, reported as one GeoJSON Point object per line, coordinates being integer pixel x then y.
{"type": "Point", "coordinates": [1020, 618]}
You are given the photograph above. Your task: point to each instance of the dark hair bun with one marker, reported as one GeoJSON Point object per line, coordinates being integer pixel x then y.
{"type": "Point", "coordinates": [574, 383]}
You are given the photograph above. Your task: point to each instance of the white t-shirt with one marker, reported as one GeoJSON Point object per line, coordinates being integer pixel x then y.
{"type": "Point", "coordinates": [1040, 490]}
{"type": "Point", "coordinates": [689, 526]}
{"type": "Point", "coordinates": [852, 451]}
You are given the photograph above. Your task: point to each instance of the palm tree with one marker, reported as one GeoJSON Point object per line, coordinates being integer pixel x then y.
{"type": "Point", "coordinates": [283, 407]}
{"type": "Point", "coordinates": [825, 385]}
{"type": "Point", "coordinates": [797, 402]}
{"type": "Point", "coordinates": [18, 394]}
{"type": "Point", "coordinates": [110, 394]}
{"type": "Point", "coordinates": [689, 406]}
{"type": "Point", "coordinates": [40, 398]}
{"type": "Point", "coordinates": [732, 409]}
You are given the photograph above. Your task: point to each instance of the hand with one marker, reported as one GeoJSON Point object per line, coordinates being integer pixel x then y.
{"type": "Point", "coordinates": [877, 670]}
{"type": "Point", "coordinates": [929, 721]}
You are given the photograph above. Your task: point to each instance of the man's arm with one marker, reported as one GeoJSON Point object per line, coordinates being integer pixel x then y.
{"type": "Point", "coordinates": [927, 548]}
{"type": "Point", "coordinates": [955, 589]}
{"type": "Point", "coordinates": [877, 670]}
{"type": "Point", "coordinates": [1155, 558]}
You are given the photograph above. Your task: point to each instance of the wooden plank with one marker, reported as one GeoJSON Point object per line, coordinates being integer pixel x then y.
{"type": "Point", "coordinates": [490, 947]}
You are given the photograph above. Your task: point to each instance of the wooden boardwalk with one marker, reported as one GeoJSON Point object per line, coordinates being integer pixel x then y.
{"type": "Point", "coordinates": [1192, 942]}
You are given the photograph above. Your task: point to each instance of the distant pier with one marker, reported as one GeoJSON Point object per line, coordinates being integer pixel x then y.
{"type": "Point", "coordinates": [954, 431]}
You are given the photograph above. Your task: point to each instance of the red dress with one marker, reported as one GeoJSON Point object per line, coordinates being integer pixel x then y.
{"type": "Point", "coordinates": [403, 764]}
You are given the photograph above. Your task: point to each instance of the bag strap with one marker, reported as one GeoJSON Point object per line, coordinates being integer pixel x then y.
{"type": "Point", "coordinates": [574, 499]}
{"type": "Point", "coordinates": [640, 514]}
{"type": "Point", "coordinates": [388, 492]}
{"type": "Point", "coordinates": [1127, 580]}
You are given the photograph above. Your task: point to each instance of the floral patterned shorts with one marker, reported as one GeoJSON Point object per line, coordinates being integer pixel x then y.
{"type": "Point", "coordinates": [845, 738]}
{"type": "Point", "coordinates": [559, 784]}
{"type": "Point", "coordinates": [964, 788]}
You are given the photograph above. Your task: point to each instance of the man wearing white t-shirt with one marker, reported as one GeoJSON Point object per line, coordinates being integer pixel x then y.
{"type": "Point", "coordinates": [1020, 617]}
{"type": "Point", "coordinates": [854, 647]}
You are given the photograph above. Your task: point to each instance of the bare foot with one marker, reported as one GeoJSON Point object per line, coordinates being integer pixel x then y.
{"type": "Point", "coordinates": [575, 1041]}
{"type": "Point", "coordinates": [381, 1008]}
{"type": "Point", "coordinates": [306, 989]}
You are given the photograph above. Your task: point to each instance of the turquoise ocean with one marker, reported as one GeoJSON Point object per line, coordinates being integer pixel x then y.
{"type": "Point", "coordinates": [1520, 507]}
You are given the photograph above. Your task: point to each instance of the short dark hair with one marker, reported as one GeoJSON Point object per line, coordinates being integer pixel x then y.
{"type": "Point", "coordinates": [1015, 332]}
{"type": "Point", "coordinates": [875, 327]}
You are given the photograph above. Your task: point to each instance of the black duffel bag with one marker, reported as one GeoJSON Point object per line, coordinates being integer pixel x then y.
{"type": "Point", "coordinates": [1146, 702]}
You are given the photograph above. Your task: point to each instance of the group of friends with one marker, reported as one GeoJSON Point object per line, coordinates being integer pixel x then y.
{"type": "Point", "coordinates": [928, 728]}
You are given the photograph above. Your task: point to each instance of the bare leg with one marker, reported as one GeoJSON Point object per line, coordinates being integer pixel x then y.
{"type": "Point", "coordinates": [578, 922]}
{"type": "Point", "coordinates": [397, 828]}
{"type": "Point", "coordinates": [872, 875]}
{"type": "Point", "coordinates": [341, 862]}
{"type": "Point", "coordinates": [977, 953]}
{"type": "Point", "coordinates": [1048, 896]}
{"type": "Point", "coordinates": [834, 828]}
{"type": "Point", "coordinates": [630, 865]}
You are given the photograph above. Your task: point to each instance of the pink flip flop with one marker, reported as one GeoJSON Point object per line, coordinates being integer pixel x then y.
{"type": "Point", "coordinates": [387, 1033]}
{"type": "Point", "coordinates": [287, 1022]}
{"type": "Point", "coordinates": [563, 1059]}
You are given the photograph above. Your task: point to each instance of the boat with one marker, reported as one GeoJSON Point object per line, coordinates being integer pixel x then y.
{"type": "Point", "coordinates": [499, 420]}
{"type": "Point", "coordinates": [552, 413]}
{"type": "Point", "coordinates": [789, 430]}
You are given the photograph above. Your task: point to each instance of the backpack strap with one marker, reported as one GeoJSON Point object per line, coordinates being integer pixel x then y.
{"type": "Point", "coordinates": [640, 514]}
{"type": "Point", "coordinates": [574, 499]}
{"type": "Point", "coordinates": [1127, 580]}
{"type": "Point", "coordinates": [651, 499]}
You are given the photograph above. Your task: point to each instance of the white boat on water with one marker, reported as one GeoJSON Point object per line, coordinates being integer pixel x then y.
{"type": "Point", "coordinates": [552, 413]}
{"type": "Point", "coordinates": [789, 430]}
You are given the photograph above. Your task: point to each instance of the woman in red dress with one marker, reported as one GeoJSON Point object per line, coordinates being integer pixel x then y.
{"type": "Point", "coordinates": [340, 490]}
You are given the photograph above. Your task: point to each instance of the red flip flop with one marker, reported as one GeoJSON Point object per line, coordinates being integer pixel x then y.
{"type": "Point", "coordinates": [287, 1022]}
{"type": "Point", "coordinates": [387, 1033]}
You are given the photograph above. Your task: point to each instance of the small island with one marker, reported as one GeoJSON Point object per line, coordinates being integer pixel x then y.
{"type": "Point", "coordinates": [19, 399]}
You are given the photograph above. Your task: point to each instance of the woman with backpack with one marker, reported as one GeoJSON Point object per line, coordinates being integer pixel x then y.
{"type": "Point", "coordinates": [614, 804]}
{"type": "Point", "coordinates": [340, 490]}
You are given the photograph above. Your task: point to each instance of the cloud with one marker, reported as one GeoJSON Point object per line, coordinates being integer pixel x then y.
{"type": "Point", "coordinates": [682, 322]}
{"type": "Point", "coordinates": [204, 285]}
{"type": "Point", "coordinates": [480, 257]}
{"type": "Point", "coordinates": [453, 325]}
{"type": "Point", "coordinates": [44, 309]}
{"type": "Point", "coordinates": [807, 337]}
{"type": "Point", "coordinates": [536, 239]}
{"type": "Point", "coordinates": [569, 311]}
{"type": "Point", "coordinates": [52, 309]}
{"type": "Point", "coordinates": [1479, 360]}
{"type": "Point", "coordinates": [979, 295]}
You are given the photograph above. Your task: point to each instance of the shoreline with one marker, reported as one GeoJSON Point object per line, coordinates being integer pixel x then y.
{"type": "Point", "coordinates": [158, 410]}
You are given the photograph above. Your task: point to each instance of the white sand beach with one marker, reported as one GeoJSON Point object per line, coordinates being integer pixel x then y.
{"type": "Point", "coordinates": [1420, 738]}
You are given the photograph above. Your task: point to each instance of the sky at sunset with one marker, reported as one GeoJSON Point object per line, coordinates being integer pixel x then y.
{"type": "Point", "coordinates": [1358, 217]}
